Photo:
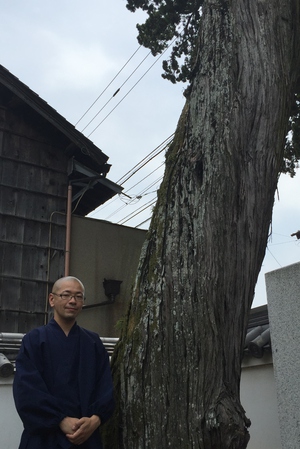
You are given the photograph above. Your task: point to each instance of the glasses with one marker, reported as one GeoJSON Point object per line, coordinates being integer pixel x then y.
{"type": "Point", "coordinates": [67, 296]}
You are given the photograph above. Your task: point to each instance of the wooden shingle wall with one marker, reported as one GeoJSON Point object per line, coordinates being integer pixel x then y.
{"type": "Point", "coordinates": [33, 190]}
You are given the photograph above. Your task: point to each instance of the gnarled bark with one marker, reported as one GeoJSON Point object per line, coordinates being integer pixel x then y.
{"type": "Point", "coordinates": [178, 364]}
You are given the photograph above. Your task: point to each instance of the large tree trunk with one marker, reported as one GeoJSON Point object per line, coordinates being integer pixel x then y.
{"type": "Point", "coordinates": [179, 361]}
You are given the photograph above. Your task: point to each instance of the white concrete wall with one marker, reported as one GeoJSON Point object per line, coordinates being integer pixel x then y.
{"type": "Point", "coordinates": [258, 397]}
{"type": "Point", "coordinates": [11, 425]}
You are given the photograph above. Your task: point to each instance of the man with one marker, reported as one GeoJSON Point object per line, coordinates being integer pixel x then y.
{"type": "Point", "coordinates": [63, 387]}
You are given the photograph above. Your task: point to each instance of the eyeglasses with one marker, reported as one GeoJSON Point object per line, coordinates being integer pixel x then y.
{"type": "Point", "coordinates": [68, 296]}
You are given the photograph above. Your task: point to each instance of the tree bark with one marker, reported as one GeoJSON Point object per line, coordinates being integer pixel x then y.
{"type": "Point", "coordinates": [177, 367]}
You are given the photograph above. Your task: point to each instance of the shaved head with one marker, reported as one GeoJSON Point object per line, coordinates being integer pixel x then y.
{"type": "Point", "coordinates": [59, 284]}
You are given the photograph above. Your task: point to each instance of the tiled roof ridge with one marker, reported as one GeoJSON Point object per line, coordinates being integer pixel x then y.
{"type": "Point", "coordinates": [257, 339]}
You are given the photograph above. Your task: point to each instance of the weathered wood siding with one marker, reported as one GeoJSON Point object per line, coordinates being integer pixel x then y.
{"type": "Point", "coordinates": [33, 189]}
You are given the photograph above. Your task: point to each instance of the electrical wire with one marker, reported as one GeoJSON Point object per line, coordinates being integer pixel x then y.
{"type": "Point", "coordinates": [130, 90]}
{"type": "Point", "coordinates": [141, 209]}
{"type": "Point", "coordinates": [143, 222]}
{"type": "Point", "coordinates": [119, 196]}
{"type": "Point", "coordinates": [133, 171]}
{"type": "Point", "coordinates": [104, 90]}
{"type": "Point", "coordinates": [145, 160]}
{"type": "Point", "coordinates": [283, 243]}
{"type": "Point", "coordinates": [141, 180]}
{"type": "Point", "coordinates": [273, 257]}
{"type": "Point", "coordinates": [136, 198]}
{"type": "Point", "coordinates": [145, 191]}
{"type": "Point", "coordinates": [116, 92]}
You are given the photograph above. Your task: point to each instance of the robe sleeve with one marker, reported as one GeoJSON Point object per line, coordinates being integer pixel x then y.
{"type": "Point", "coordinates": [103, 403]}
{"type": "Point", "coordinates": [38, 409]}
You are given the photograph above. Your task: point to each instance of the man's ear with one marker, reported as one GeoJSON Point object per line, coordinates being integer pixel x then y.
{"type": "Point", "coordinates": [51, 300]}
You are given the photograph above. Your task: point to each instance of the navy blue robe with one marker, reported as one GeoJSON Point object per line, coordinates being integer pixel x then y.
{"type": "Point", "coordinates": [58, 376]}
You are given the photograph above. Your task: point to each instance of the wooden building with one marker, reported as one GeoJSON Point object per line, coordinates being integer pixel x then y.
{"type": "Point", "coordinates": [42, 158]}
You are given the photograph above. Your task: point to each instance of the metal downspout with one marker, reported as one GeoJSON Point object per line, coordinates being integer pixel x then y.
{"type": "Point", "coordinates": [68, 231]}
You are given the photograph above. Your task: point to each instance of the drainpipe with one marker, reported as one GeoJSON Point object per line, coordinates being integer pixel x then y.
{"type": "Point", "coordinates": [68, 231]}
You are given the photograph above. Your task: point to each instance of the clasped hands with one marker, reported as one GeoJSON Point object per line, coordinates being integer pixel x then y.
{"type": "Point", "coordinates": [79, 430]}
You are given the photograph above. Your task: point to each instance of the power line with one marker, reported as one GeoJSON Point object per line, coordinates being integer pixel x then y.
{"type": "Point", "coordinates": [104, 90]}
{"type": "Point", "coordinates": [135, 169]}
{"type": "Point", "coordinates": [137, 197]}
{"type": "Point", "coordinates": [116, 92]}
{"type": "Point", "coordinates": [283, 243]}
{"type": "Point", "coordinates": [146, 160]}
{"type": "Point", "coordinates": [149, 174]}
{"type": "Point", "coordinates": [143, 222]}
{"type": "Point", "coordinates": [143, 192]}
{"type": "Point", "coordinates": [108, 203]}
{"type": "Point", "coordinates": [132, 215]}
{"type": "Point", "coordinates": [123, 98]}
{"type": "Point", "coordinates": [273, 257]}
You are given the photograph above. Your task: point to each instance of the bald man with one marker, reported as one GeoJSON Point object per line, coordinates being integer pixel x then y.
{"type": "Point", "coordinates": [63, 387]}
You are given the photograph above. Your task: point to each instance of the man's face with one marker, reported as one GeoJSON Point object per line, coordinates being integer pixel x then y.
{"type": "Point", "coordinates": [65, 308]}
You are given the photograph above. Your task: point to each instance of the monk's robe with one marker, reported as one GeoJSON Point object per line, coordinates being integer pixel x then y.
{"type": "Point", "coordinates": [58, 376]}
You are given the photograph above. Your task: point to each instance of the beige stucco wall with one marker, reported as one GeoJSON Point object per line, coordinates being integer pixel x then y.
{"type": "Point", "coordinates": [102, 250]}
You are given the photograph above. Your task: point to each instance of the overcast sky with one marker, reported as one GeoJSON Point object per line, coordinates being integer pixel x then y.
{"type": "Point", "coordinates": [70, 53]}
